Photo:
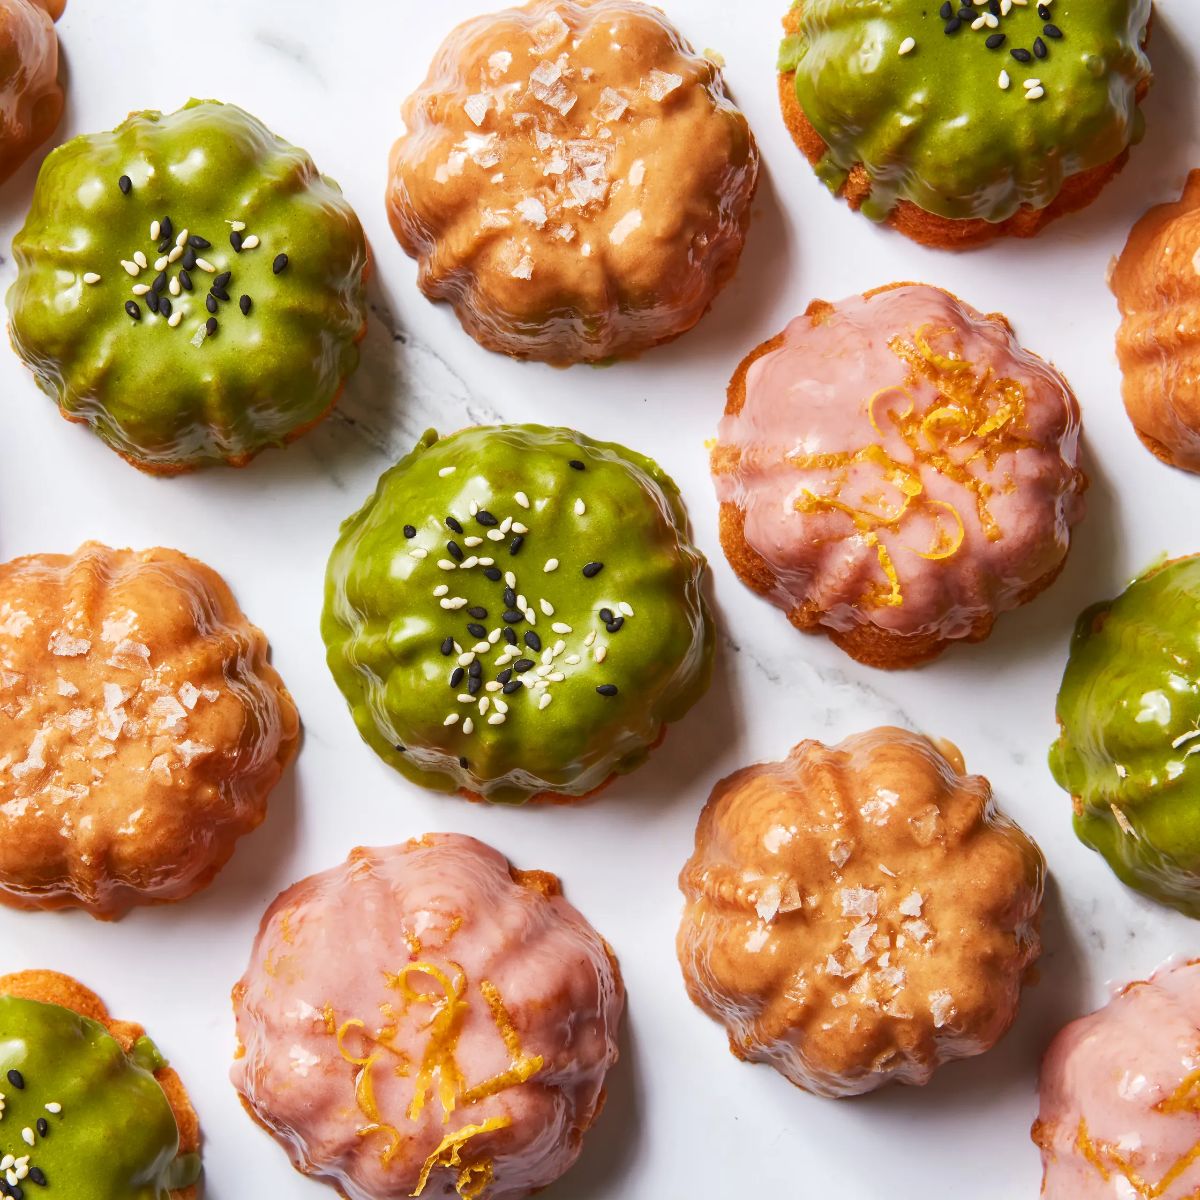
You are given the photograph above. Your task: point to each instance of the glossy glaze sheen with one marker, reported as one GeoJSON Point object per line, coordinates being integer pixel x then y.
{"type": "Point", "coordinates": [115, 1138]}
{"type": "Point", "coordinates": [588, 212]}
{"type": "Point", "coordinates": [171, 399]}
{"type": "Point", "coordinates": [1128, 709]}
{"type": "Point", "coordinates": [859, 914]}
{"type": "Point", "coordinates": [31, 97]}
{"type": "Point", "coordinates": [1120, 1115]}
{"type": "Point", "coordinates": [1157, 285]}
{"type": "Point", "coordinates": [351, 967]}
{"type": "Point", "coordinates": [903, 464]}
{"type": "Point", "coordinates": [141, 728]}
{"type": "Point", "coordinates": [934, 127]}
{"type": "Point", "coordinates": [384, 625]}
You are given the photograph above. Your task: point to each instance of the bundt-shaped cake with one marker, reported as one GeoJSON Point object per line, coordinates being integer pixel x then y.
{"type": "Point", "coordinates": [90, 1107]}
{"type": "Point", "coordinates": [189, 286]}
{"type": "Point", "coordinates": [457, 1047]}
{"type": "Point", "coordinates": [896, 471]}
{"type": "Point", "coordinates": [31, 96]}
{"type": "Point", "coordinates": [517, 612]}
{"type": "Point", "coordinates": [1129, 717]}
{"type": "Point", "coordinates": [1157, 285]}
{"type": "Point", "coordinates": [1120, 1113]}
{"type": "Point", "coordinates": [141, 728]}
{"type": "Point", "coordinates": [962, 121]}
{"type": "Point", "coordinates": [859, 914]}
{"type": "Point", "coordinates": [573, 179]}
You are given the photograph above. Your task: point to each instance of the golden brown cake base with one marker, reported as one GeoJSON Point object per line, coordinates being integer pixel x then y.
{"type": "Point", "coordinates": [929, 229]}
{"type": "Point", "coordinates": [50, 987]}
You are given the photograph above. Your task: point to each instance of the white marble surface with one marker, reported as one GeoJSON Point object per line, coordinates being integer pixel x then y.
{"type": "Point", "coordinates": [684, 1119]}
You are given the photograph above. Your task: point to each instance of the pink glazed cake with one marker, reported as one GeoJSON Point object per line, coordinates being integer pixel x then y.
{"type": "Point", "coordinates": [895, 471]}
{"type": "Point", "coordinates": [1120, 1111]}
{"type": "Point", "coordinates": [425, 1020]}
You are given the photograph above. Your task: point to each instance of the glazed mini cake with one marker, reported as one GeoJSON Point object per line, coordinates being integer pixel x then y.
{"type": "Point", "coordinates": [459, 1047]}
{"type": "Point", "coordinates": [141, 728]}
{"type": "Point", "coordinates": [573, 179]}
{"type": "Point", "coordinates": [963, 121]}
{"type": "Point", "coordinates": [1128, 712]}
{"type": "Point", "coordinates": [90, 1106]}
{"type": "Point", "coordinates": [517, 613]}
{"type": "Point", "coordinates": [1120, 1116]}
{"type": "Point", "coordinates": [31, 96]}
{"type": "Point", "coordinates": [1157, 286]}
{"type": "Point", "coordinates": [861, 914]}
{"type": "Point", "coordinates": [189, 287]}
{"type": "Point", "coordinates": [895, 471]}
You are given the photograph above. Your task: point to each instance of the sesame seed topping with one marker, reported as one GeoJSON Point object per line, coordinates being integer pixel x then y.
{"type": "Point", "coordinates": [580, 508]}
{"type": "Point", "coordinates": [140, 259]}
{"type": "Point", "coordinates": [17, 1080]}
{"type": "Point", "coordinates": [551, 565]}
{"type": "Point", "coordinates": [251, 243]}
{"type": "Point", "coordinates": [91, 277]}
{"type": "Point", "coordinates": [132, 309]}
{"type": "Point", "coordinates": [125, 184]}
{"type": "Point", "coordinates": [130, 267]}
{"type": "Point", "coordinates": [279, 265]}
{"type": "Point", "coordinates": [522, 499]}
{"type": "Point", "coordinates": [576, 465]}
{"type": "Point", "coordinates": [592, 569]}
{"type": "Point", "coordinates": [205, 265]}
{"type": "Point", "coordinates": [446, 471]}
{"type": "Point", "coordinates": [907, 46]}
{"type": "Point", "coordinates": [607, 689]}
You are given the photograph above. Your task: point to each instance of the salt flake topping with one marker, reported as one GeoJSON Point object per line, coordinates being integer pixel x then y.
{"type": "Point", "coordinates": [66, 646]}
{"type": "Point", "coordinates": [660, 84]}
{"type": "Point", "coordinates": [546, 84]}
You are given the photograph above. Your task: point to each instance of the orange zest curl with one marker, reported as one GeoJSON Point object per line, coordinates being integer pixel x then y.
{"type": "Point", "coordinates": [974, 417]}
{"type": "Point", "coordinates": [1108, 1160]}
{"type": "Point", "coordinates": [474, 1177]}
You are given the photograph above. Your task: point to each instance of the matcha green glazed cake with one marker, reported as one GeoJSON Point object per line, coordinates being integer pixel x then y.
{"type": "Point", "coordinates": [959, 122]}
{"type": "Point", "coordinates": [83, 1114]}
{"type": "Point", "coordinates": [1129, 711]}
{"type": "Point", "coordinates": [189, 286]}
{"type": "Point", "coordinates": [517, 613]}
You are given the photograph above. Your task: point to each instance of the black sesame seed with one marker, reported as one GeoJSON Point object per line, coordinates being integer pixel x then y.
{"type": "Point", "coordinates": [1043, 11]}
{"type": "Point", "coordinates": [220, 293]}
{"type": "Point", "coordinates": [1052, 31]}
{"type": "Point", "coordinates": [448, 647]}
{"type": "Point", "coordinates": [966, 13]}
{"type": "Point", "coordinates": [244, 303]}
{"type": "Point", "coordinates": [510, 597]}
{"type": "Point", "coordinates": [457, 676]}
{"type": "Point", "coordinates": [164, 307]}
{"type": "Point", "coordinates": [17, 1192]}
{"type": "Point", "coordinates": [996, 41]}
{"type": "Point", "coordinates": [167, 229]}
{"type": "Point", "coordinates": [485, 518]}
{"type": "Point", "coordinates": [410, 531]}
{"type": "Point", "coordinates": [476, 630]}
{"type": "Point", "coordinates": [38, 1176]}
{"type": "Point", "coordinates": [152, 301]}
{"type": "Point", "coordinates": [614, 626]}
{"type": "Point", "coordinates": [210, 326]}
{"type": "Point", "coordinates": [946, 11]}
{"type": "Point", "coordinates": [185, 281]}
{"type": "Point", "coordinates": [1021, 55]}
{"type": "Point", "coordinates": [451, 523]}
{"type": "Point", "coordinates": [492, 573]}
{"type": "Point", "coordinates": [132, 309]}
{"type": "Point", "coordinates": [43, 1127]}
{"type": "Point", "coordinates": [607, 689]}
{"type": "Point", "coordinates": [533, 641]}
{"type": "Point", "coordinates": [462, 762]}
{"type": "Point", "coordinates": [514, 547]}
{"type": "Point", "coordinates": [509, 635]}
{"type": "Point", "coordinates": [200, 243]}
{"type": "Point", "coordinates": [164, 246]}
{"type": "Point", "coordinates": [994, 7]}
{"type": "Point", "coordinates": [235, 240]}
{"type": "Point", "coordinates": [475, 670]}
{"type": "Point", "coordinates": [280, 264]}
{"type": "Point", "coordinates": [1039, 48]}
{"type": "Point", "coordinates": [513, 617]}
{"type": "Point", "coordinates": [455, 550]}
{"type": "Point", "coordinates": [160, 282]}
{"type": "Point", "coordinates": [17, 1080]}
{"type": "Point", "coordinates": [221, 280]}
{"type": "Point", "coordinates": [505, 675]}
{"type": "Point", "coordinates": [576, 465]}
{"type": "Point", "coordinates": [189, 259]}
{"type": "Point", "coordinates": [522, 665]}
{"type": "Point", "coordinates": [478, 612]}
{"type": "Point", "coordinates": [606, 615]}
{"type": "Point", "coordinates": [512, 686]}
{"type": "Point", "coordinates": [125, 184]}
{"type": "Point", "coordinates": [210, 302]}
{"type": "Point", "coordinates": [953, 25]}
{"type": "Point", "coordinates": [592, 569]}
{"type": "Point", "coordinates": [474, 683]}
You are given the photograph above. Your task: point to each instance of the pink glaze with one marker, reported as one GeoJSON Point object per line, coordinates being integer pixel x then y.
{"type": "Point", "coordinates": [333, 948]}
{"type": "Point", "coordinates": [1120, 1110]}
{"type": "Point", "coordinates": [811, 396]}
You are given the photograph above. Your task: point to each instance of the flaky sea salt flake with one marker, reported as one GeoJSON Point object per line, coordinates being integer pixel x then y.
{"type": "Point", "coordinates": [477, 106]}
{"type": "Point", "coordinates": [660, 84]}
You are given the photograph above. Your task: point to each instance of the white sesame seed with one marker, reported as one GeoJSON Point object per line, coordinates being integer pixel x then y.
{"type": "Point", "coordinates": [1005, 81]}
{"type": "Point", "coordinates": [130, 268]}
{"type": "Point", "coordinates": [482, 647]}
{"type": "Point", "coordinates": [571, 659]}
{"type": "Point", "coordinates": [140, 259]}
{"type": "Point", "coordinates": [600, 653]}
{"type": "Point", "coordinates": [468, 726]}
{"type": "Point", "coordinates": [419, 552]}
{"type": "Point", "coordinates": [1005, 7]}
{"type": "Point", "coordinates": [1031, 83]}
{"type": "Point", "coordinates": [556, 677]}
{"type": "Point", "coordinates": [447, 565]}
{"type": "Point", "coordinates": [559, 647]}
{"type": "Point", "coordinates": [466, 658]}
{"type": "Point", "coordinates": [472, 541]}
{"type": "Point", "coordinates": [547, 656]}
{"type": "Point", "coordinates": [54, 1107]}
{"type": "Point", "coordinates": [561, 627]}
{"type": "Point", "coordinates": [174, 286]}
{"type": "Point", "coordinates": [140, 289]}
{"type": "Point", "coordinates": [446, 603]}
{"type": "Point", "coordinates": [175, 255]}
{"type": "Point", "coordinates": [452, 719]}
{"type": "Point", "coordinates": [522, 603]}
{"type": "Point", "coordinates": [6, 1162]}
{"type": "Point", "coordinates": [990, 20]}
{"type": "Point", "coordinates": [522, 499]}
{"type": "Point", "coordinates": [91, 277]}
{"type": "Point", "coordinates": [625, 609]}
{"type": "Point", "coordinates": [530, 615]}
{"type": "Point", "coordinates": [174, 319]}
{"type": "Point", "coordinates": [551, 565]}
{"type": "Point", "coordinates": [497, 719]}
{"type": "Point", "coordinates": [517, 527]}
{"type": "Point", "coordinates": [545, 700]}
{"type": "Point", "coordinates": [473, 507]}
{"type": "Point", "coordinates": [493, 637]}
{"type": "Point", "coordinates": [484, 703]}
{"type": "Point", "coordinates": [468, 562]}
{"type": "Point", "coordinates": [505, 525]}
{"type": "Point", "coordinates": [155, 230]}
{"type": "Point", "coordinates": [27, 1136]}
{"type": "Point", "coordinates": [487, 562]}
{"type": "Point", "coordinates": [978, 23]}
{"type": "Point", "coordinates": [1035, 93]}
{"type": "Point", "coordinates": [205, 265]}
{"type": "Point", "coordinates": [441, 590]}
{"type": "Point", "coordinates": [580, 508]}
{"type": "Point", "coordinates": [510, 579]}
{"type": "Point", "coordinates": [160, 263]}
{"type": "Point", "coordinates": [495, 535]}
{"type": "Point", "coordinates": [908, 45]}
{"type": "Point", "coordinates": [492, 686]}
{"type": "Point", "coordinates": [181, 240]}
{"type": "Point", "coordinates": [464, 698]}
{"type": "Point", "coordinates": [251, 242]}
{"type": "Point", "coordinates": [546, 607]}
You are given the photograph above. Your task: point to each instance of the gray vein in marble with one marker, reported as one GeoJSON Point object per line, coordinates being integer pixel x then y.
{"type": "Point", "coordinates": [296, 53]}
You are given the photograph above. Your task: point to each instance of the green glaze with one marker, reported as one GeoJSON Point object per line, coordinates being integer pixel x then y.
{"type": "Point", "coordinates": [174, 398]}
{"type": "Point", "coordinates": [115, 1138]}
{"type": "Point", "coordinates": [384, 627]}
{"type": "Point", "coordinates": [1129, 710]}
{"type": "Point", "coordinates": [935, 128]}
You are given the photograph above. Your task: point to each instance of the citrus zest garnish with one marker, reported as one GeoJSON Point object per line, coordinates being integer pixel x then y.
{"type": "Point", "coordinates": [1106, 1159]}
{"type": "Point", "coordinates": [943, 546]}
{"type": "Point", "coordinates": [472, 1179]}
